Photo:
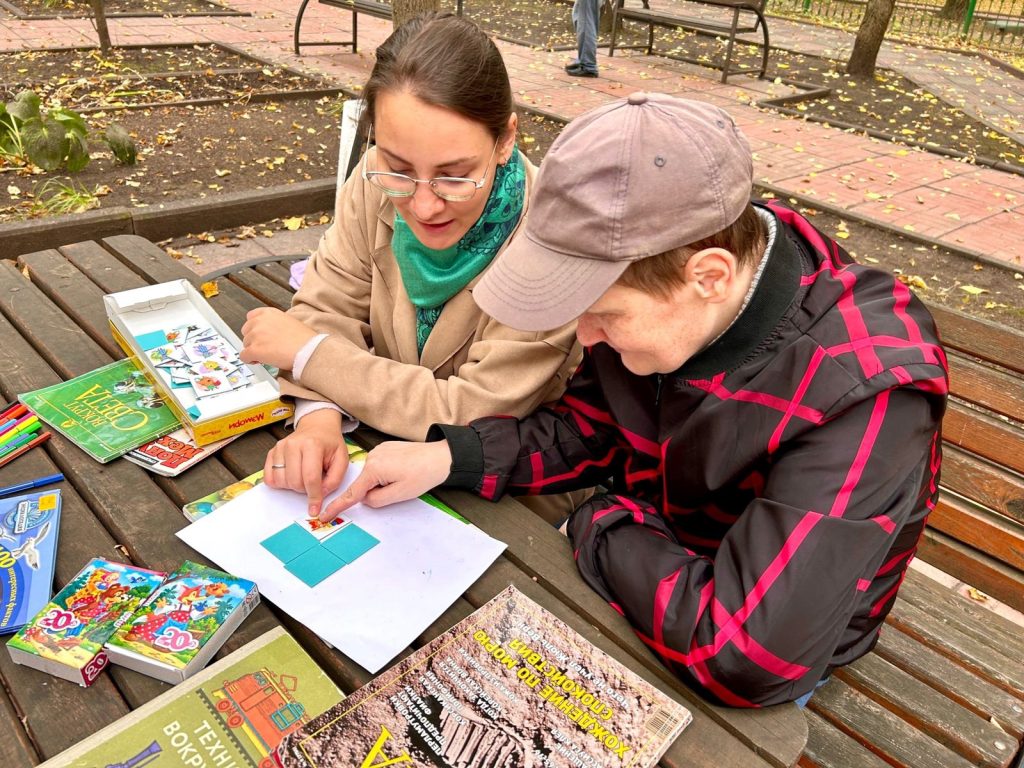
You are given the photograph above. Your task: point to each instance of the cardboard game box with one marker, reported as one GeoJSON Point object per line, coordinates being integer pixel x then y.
{"type": "Point", "coordinates": [66, 637]}
{"type": "Point", "coordinates": [29, 525]}
{"type": "Point", "coordinates": [176, 631]}
{"type": "Point", "coordinates": [191, 356]}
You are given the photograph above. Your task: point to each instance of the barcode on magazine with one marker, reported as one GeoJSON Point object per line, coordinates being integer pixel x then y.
{"type": "Point", "coordinates": [661, 724]}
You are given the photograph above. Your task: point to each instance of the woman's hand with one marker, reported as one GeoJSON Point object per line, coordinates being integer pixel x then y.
{"type": "Point", "coordinates": [311, 460]}
{"type": "Point", "coordinates": [395, 472]}
{"type": "Point", "coordinates": [272, 337]}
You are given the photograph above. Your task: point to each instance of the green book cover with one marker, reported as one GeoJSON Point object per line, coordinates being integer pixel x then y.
{"type": "Point", "coordinates": [105, 412]}
{"type": "Point", "coordinates": [234, 712]}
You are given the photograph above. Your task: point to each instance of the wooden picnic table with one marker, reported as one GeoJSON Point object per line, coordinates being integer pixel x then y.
{"type": "Point", "coordinates": [53, 327]}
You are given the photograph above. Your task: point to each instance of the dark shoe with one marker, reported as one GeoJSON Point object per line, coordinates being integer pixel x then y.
{"type": "Point", "coordinates": [578, 71]}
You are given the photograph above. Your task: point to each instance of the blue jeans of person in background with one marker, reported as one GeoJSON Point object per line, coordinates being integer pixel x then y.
{"type": "Point", "coordinates": [802, 701]}
{"type": "Point", "coordinates": [585, 17]}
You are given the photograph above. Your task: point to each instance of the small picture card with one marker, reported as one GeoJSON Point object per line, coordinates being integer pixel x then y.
{"type": "Point", "coordinates": [183, 333]}
{"type": "Point", "coordinates": [321, 529]}
{"type": "Point", "coordinates": [165, 354]}
{"type": "Point", "coordinates": [199, 351]}
{"type": "Point", "coordinates": [210, 384]}
{"type": "Point", "coordinates": [213, 365]}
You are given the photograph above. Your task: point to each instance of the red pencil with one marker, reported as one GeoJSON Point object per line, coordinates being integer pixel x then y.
{"type": "Point", "coordinates": [16, 411]}
{"type": "Point", "coordinates": [31, 444]}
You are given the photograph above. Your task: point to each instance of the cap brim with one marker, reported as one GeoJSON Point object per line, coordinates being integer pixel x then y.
{"type": "Point", "coordinates": [531, 288]}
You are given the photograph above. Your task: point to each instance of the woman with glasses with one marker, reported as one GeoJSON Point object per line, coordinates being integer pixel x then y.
{"type": "Point", "coordinates": [384, 326]}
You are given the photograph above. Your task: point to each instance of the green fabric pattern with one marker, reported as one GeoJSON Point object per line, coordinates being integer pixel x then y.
{"type": "Point", "coordinates": [431, 276]}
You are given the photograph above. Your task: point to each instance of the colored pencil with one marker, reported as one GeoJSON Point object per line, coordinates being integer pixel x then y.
{"type": "Point", "coordinates": [9, 408]}
{"type": "Point", "coordinates": [17, 441]}
{"type": "Point", "coordinates": [27, 447]}
{"type": "Point", "coordinates": [27, 424]}
{"type": "Point", "coordinates": [17, 423]}
{"type": "Point", "coordinates": [15, 413]}
{"type": "Point", "coordinates": [28, 485]}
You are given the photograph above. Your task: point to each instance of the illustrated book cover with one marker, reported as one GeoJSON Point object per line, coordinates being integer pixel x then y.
{"type": "Point", "coordinates": [66, 637]}
{"type": "Point", "coordinates": [510, 686]}
{"type": "Point", "coordinates": [233, 713]}
{"type": "Point", "coordinates": [29, 525]}
{"type": "Point", "coordinates": [204, 506]}
{"type": "Point", "coordinates": [179, 627]}
{"type": "Point", "coordinates": [172, 454]}
{"type": "Point", "coordinates": [105, 412]}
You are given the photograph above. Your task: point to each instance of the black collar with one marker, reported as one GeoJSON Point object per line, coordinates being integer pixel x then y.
{"type": "Point", "coordinates": [772, 298]}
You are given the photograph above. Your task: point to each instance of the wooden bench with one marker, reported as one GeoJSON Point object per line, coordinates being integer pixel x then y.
{"type": "Point", "coordinates": [944, 687]}
{"type": "Point", "coordinates": [740, 16]}
{"type": "Point", "coordinates": [369, 7]}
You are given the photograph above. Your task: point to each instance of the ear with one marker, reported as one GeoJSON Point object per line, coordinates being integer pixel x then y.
{"type": "Point", "coordinates": [712, 274]}
{"type": "Point", "coordinates": [508, 142]}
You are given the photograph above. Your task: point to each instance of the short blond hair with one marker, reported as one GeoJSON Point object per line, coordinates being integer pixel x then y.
{"type": "Point", "coordinates": [660, 275]}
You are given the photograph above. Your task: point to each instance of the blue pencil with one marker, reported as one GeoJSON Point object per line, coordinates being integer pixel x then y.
{"type": "Point", "coordinates": [30, 484]}
{"type": "Point", "coordinates": [13, 444]}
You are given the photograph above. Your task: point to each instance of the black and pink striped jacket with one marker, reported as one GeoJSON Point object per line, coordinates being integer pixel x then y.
{"type": "Point", "coordinates": [765, 498]}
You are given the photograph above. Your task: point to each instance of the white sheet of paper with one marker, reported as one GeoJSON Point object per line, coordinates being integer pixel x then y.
{"type": "Point", "coordinates": [370, 609]}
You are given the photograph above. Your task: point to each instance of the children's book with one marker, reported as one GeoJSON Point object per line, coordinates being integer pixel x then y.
{"type": "Point", "coordinates": [509, 685]}
{"type": "Point", "coordinates": [105, 412]}
{"type": "Point", "coordinates": [28, 551]}
{"type": "Point", "coordinates": [66, 637]}
{"type": "Point", "coordinates": [204, 506]}
{"type": "Point", "coordinates": [172, 454]}
{"type": "Point", "coordinates": [233, 713]}
{"type": "Point", "coordinates": [176, 631]}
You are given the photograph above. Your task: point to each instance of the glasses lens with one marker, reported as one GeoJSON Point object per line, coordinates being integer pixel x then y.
{"type": "Point", "coordinates": [392, 183]}
{"type": "Point", "coordinates": [454, 189]}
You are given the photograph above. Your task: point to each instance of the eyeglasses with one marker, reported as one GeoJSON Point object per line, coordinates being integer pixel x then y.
{"type": "Point", "coordinates": [454, 189]}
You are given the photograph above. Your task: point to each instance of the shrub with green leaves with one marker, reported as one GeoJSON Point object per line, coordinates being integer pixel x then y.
{"type": "Point", "coordinates": [52, 139]}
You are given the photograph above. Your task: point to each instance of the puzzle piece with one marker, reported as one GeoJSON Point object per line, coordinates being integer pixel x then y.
{"type": "Point", "coordinates": [314, 565]}
{"type": "Point", "coordinates": [289, 543]}
{"type": "Point", "coordinates": [350, 543]}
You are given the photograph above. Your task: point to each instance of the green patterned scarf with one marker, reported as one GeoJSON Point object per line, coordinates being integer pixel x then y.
{"type": "Point", "coordinates": [431, 277]}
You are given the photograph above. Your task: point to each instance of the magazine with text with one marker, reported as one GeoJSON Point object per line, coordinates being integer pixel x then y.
{"type": "Point", "coordinates": [510, 686]}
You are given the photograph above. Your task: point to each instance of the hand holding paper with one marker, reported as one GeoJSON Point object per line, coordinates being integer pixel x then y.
{"type": "Point", "coordinates": [394, 472]}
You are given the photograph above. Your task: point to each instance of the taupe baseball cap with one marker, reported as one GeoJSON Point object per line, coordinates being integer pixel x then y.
{"type": "Point", "coordinates": [628, 180]}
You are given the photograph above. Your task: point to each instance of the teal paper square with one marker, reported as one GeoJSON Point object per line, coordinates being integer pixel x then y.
{"type": "Point", "coordinates": [350, 543]}
{"type": "Point", "coordinates": [148, 341]}
{"type": "Point", "coordinates": [289, 543]}
{"type": "Point", "coordinates": [314, 565]}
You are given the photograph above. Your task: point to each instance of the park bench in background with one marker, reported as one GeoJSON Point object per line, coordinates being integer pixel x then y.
{"type": "Point", "coordinates": [944, 688]}
{"type": "Point", "coordinates": [719, 17]}
{"type": "Point", "coordinates": [369, 7]}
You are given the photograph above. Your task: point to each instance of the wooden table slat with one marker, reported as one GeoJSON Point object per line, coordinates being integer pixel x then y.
{"type": "Point", "coordinates": [265, 290]}
{"type": "Point", "coordinates": [828, 747]}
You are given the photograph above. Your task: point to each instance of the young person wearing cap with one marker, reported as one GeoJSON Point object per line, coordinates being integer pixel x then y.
{"type": "Point", "coordinates": [764, 411]}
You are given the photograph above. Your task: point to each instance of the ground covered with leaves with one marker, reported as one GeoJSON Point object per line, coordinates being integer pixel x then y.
{"type": "Point", "coordinates": [80, 8]}
{"type": "Point", "coordinates": [243, 141]}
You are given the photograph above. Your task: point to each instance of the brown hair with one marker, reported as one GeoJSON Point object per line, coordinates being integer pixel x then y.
{"type": "Point", "coordinates": [659, 275]}
{"type": "Point", "coordinates": [446, 61]}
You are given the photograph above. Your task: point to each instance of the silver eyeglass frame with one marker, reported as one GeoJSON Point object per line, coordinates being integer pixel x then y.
{"type": "Point", "coordinates": [369, 176]}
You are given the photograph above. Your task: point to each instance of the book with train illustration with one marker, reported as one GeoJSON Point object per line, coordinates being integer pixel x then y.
{"type": "Point", "coordinates": [234, 712]}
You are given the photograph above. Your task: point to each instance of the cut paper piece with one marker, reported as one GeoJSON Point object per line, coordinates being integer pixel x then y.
{"type": "Point", "coordinates": [320, 529]}
{"type": "Point", "coordinates": [289, 543]}
{"type": "Point", "coordinates": [152, 339]}
{"type": "Point", "coordinates": [314, 565]}
{"type": "Point", "coordinates": [350, 543]}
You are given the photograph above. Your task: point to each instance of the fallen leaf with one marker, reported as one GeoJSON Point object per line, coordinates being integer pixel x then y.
{"type": "Point", "coordinates": [209, 289]}
{"type": "Point", "coordinates": [977, 594]}
{"type": "Point", "coordinates": [293, 223]}
{"type": "Point", "coordinates": [222, 173]}
{"type": "Point", "coordinates": [973, 290]}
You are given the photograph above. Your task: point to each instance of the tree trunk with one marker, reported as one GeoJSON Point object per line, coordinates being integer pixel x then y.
{"type": "Point", "coordinates": [403, 10]}
{"type": "Point", "coordinates": [955, 10]}
{"type": "Point", "coordinates": [869, 37]}
{"type": "Point", "coordinates": [99, 21]}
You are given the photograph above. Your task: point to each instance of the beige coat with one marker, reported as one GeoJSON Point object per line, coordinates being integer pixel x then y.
{"type": "Point", "coordinates": [472, 366]}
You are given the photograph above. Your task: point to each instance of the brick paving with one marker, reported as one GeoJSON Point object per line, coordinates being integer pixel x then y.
{"type": "Point", "coordinates": [967, 207]}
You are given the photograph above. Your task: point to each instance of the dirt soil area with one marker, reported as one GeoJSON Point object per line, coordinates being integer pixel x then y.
{"type": "Point", "coordinates": [202, 151]}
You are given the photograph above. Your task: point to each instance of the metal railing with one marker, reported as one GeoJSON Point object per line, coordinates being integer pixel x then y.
{"type": "Point", "coordinates": [995, 25]}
